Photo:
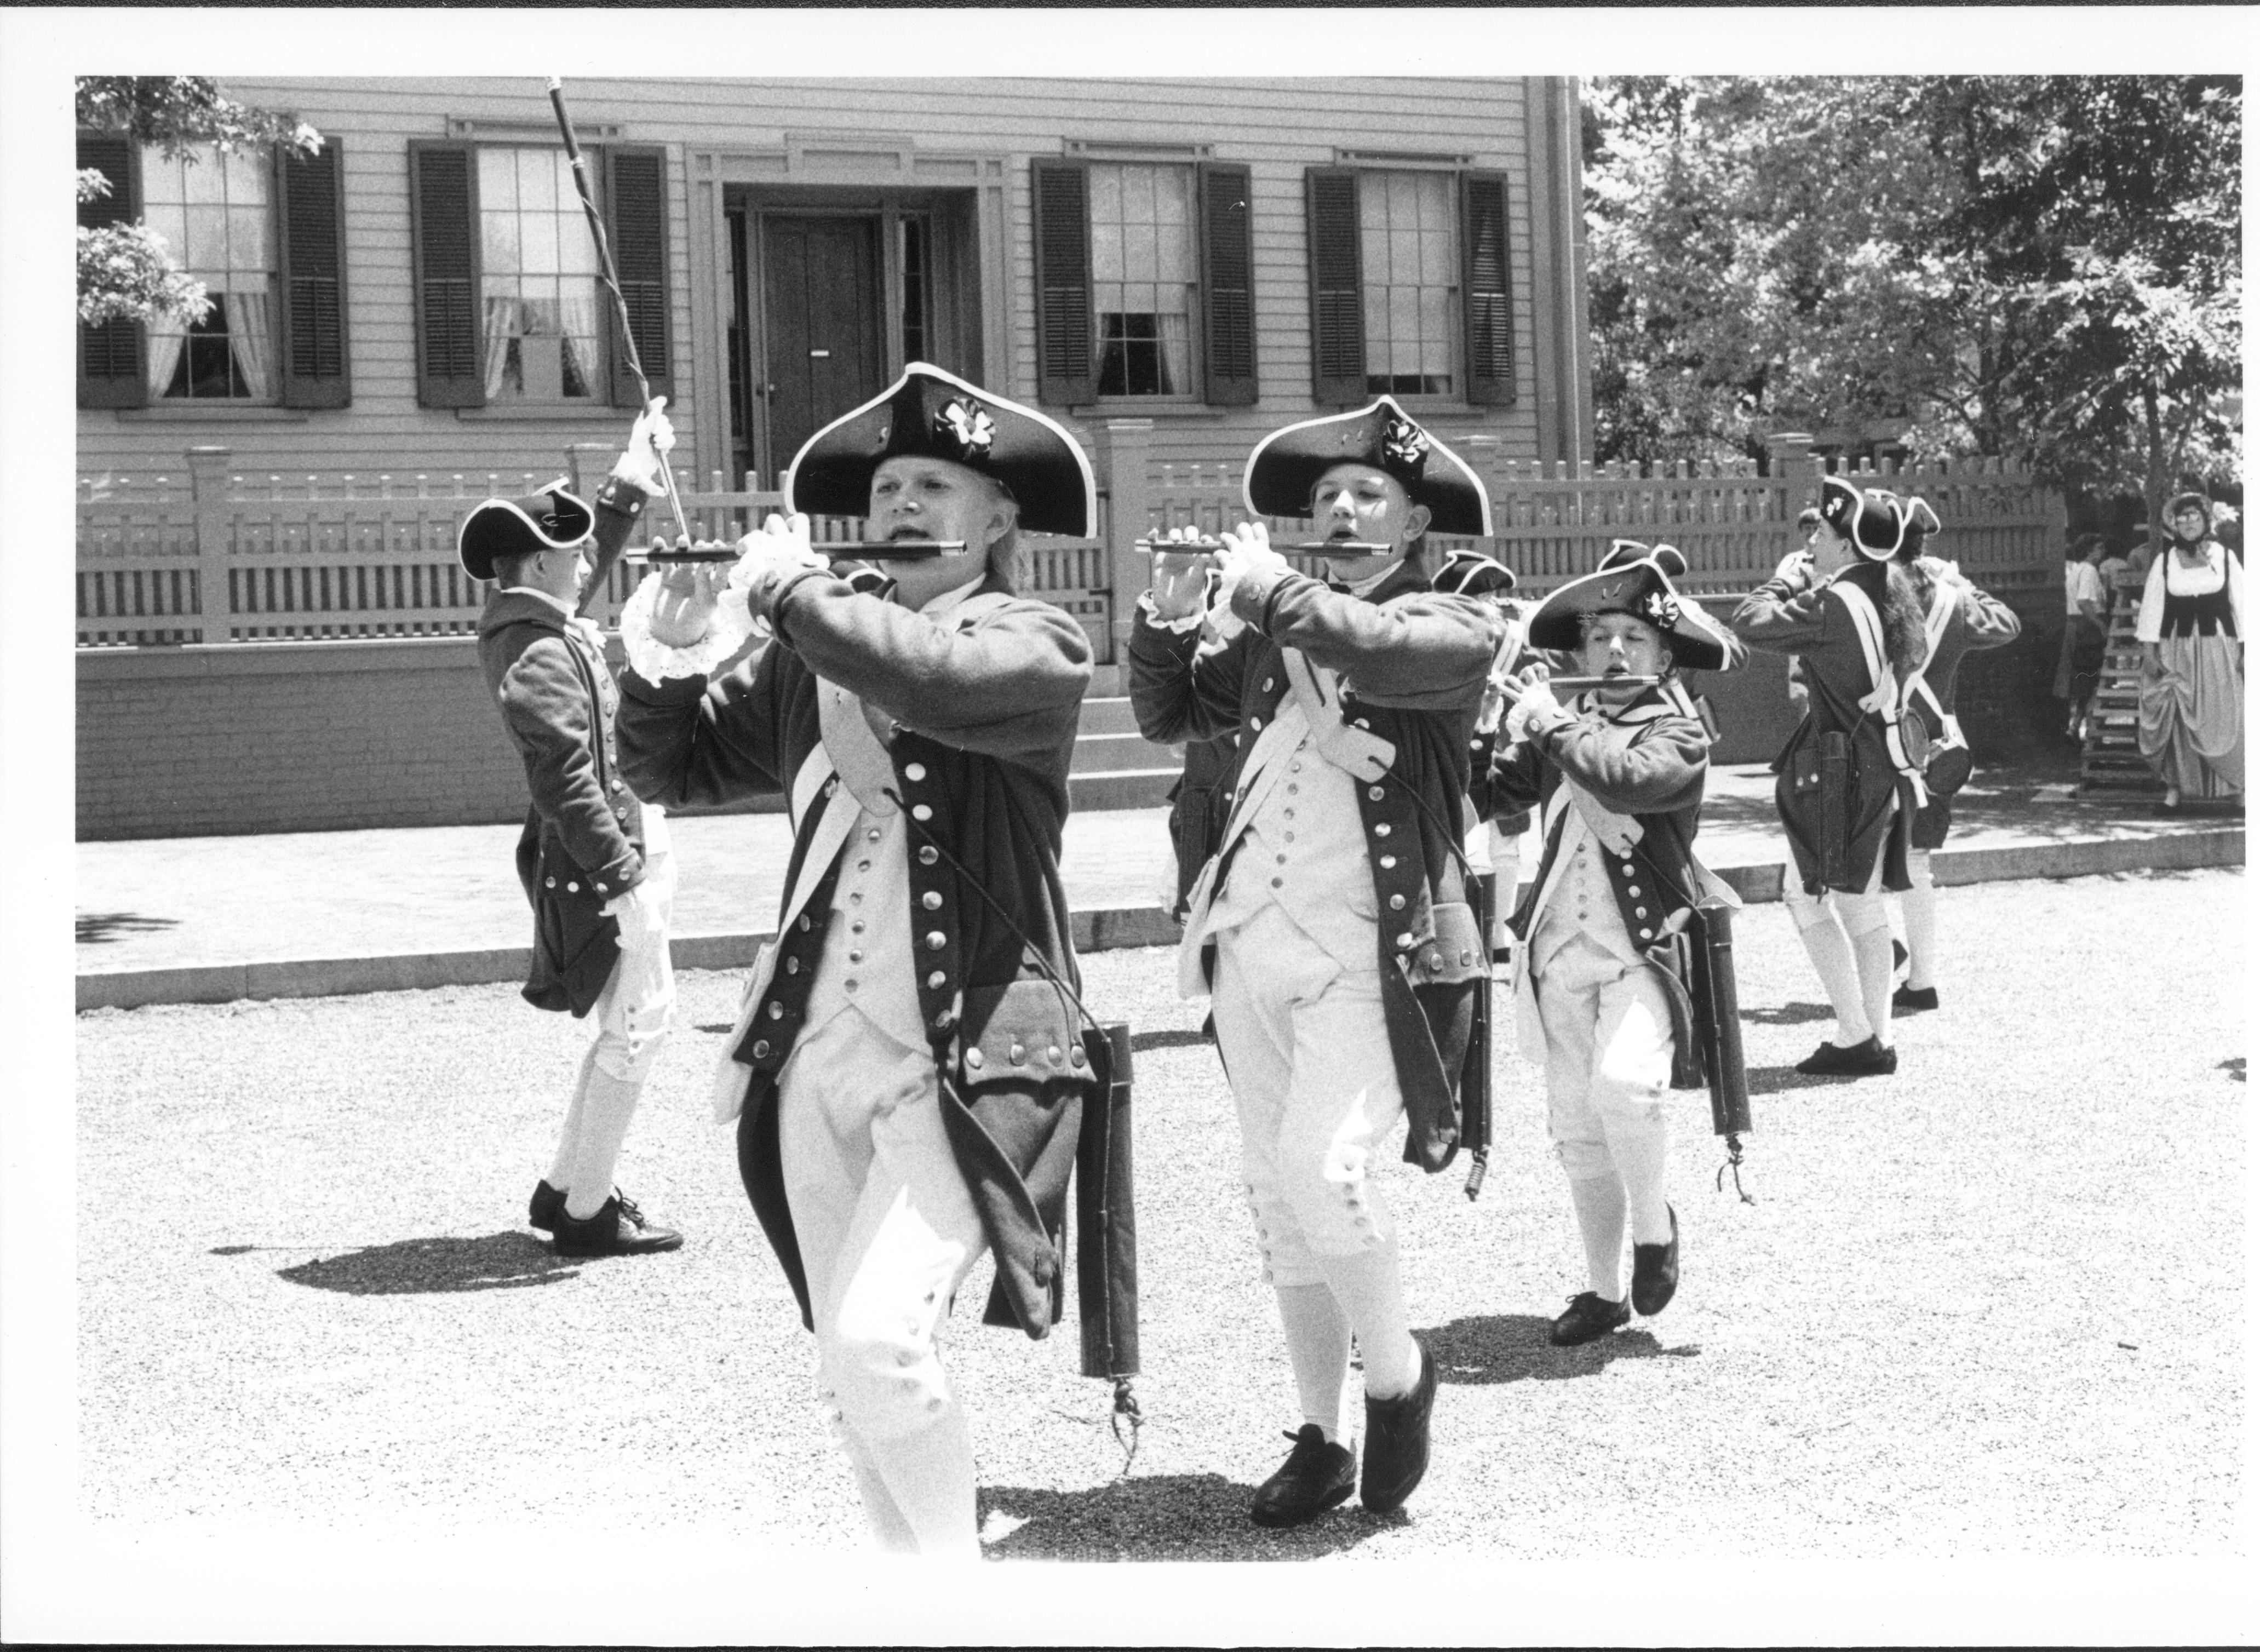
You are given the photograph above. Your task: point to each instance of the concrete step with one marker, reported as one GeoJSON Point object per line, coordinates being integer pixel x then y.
{"type": "Point", "coordinates": [1121, 789]}
{"type": "Point", "coordinates": [1104, 753]}
{"type": "Point", "coordinates": [1107, 714]}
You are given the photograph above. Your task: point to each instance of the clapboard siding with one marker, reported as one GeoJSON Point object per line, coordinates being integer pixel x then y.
{"type": "Point", "coordinates": [1277, 128]}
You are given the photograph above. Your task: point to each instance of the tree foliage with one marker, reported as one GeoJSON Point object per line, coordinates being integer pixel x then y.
{"type": "Point", "coordinates": [125, 271]}
{"type": "Point", "coordinates": [2044, 269]}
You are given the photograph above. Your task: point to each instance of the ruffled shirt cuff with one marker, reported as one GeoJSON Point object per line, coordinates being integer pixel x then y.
{"type": "Point", "coordinates": [731, 629]}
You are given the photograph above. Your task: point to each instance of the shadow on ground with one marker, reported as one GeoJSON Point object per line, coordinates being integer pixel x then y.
{"type": "Point", "coordinates": [1160, 1517]}
{"type": "Point", "coordinates": [2234, 1067]}
{"type": "Point", "coordinates": [1770, 1081]}
{"type": "Point", "coordinates": [1790, 1015]}
{"type": "Point", "coordinates": [97, 929]}
{"type": "Point", "coordinates": [1512, 1348]}
{"type": "Point", "coordinates": [1169, 1038]}
{"type": "Point", "coordinates": [423, 1267]}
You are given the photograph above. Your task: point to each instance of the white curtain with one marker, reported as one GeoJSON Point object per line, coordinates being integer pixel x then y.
{"type": "Point", "coordinates": [251, 335]}
{"type": "Point", "coordinates": [1176, 351]}
{"type": "Point", "coordinates": [501, 322]}
{"type": "Point", "coordinates": [577, 321]}
{"type": "Point", "coordinates": [164, 356]}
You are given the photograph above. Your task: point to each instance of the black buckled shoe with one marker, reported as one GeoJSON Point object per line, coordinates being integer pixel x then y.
{"type": "Point", "coordinates": [1396, 1442]}
{"type": "Point", "coordinates": [1909, 1000]}
{"type": "Point", "coordinates": [1590, 1316]}
{"type": "Point", "coordinates": [1655, 1271]}
{"type": "Point", "coordinates": [617, 1229]}
{"type": "Point", "coordinates": [1868, 1059]}
{"type": "Point", "coordinates": [1318, 1474]}
{"type": "Point", "coordinates": [547, 1208]}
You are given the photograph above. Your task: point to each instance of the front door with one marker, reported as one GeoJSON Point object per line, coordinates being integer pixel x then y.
{"type": "Point", "coordinates": [820, 289]}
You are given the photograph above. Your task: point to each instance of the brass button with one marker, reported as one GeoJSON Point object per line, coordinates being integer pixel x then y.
{"type": "Point", "coordinates": [761, 1050]}
{"type": "Point", "coordinates": [928, 855]}
{"type": "Point", "coordinates": [1396, 903]}
{"type": "Point", "coordinates": [776, 1012]}
{"type": "Point", "coordinates": [1255, 722]}
{"type": "Point", "coordinates": [1374, 792]}
{"type": "Point", "coordinates": [1405, 940]}
{"type": "Point", "coordinates": [1381, 829]}
{"type": "Point", "coordinates": [572, 889]}
{"type": "Point", "coordinates": [872, 834]}
{"type": "Point", "coordinates": [914, 771]}
{"type": "Point", "coordinates": [935, 940]}
{"type": "Point", "coordinates": [935, 980]}
{"type": "Point", "coordinates": [1387, 862]}
{"type": "Point", "coordinates": [549, 882]}
{"type": "Point", "coordinates": [1267, 685]}
{"type": "Point", "coordinates": [1075, 1055]}
{"type": "Point", "coordinates": [921, 811]}
{"type": "Point", "coordinates": [793, 966]}
{"type": "Point", "coordinates": [1020, 1054]}
{"type": "Point", "coordinates": [973, 1056]}
{"type": "Point", "coordinates": [1052, 1054]}
{"type": "Point", "coordinates": [930, 900]}
{"type": "Point", "coordinates": [850, 983]}
{"type": "Point", "coordinates": [855, 957]}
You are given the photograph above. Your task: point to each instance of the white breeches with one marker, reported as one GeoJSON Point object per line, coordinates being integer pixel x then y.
{"type": "Point", "coordinates": [1608, 1056]}
{"type": "Point", "coordinates": [1307, 1051]}
{"type": "Point", "coordinates": [886, 1228]}
{"type": "Point", "coordinates": [1860, 914]}
{"type": "Point", "coordinates": [636, 1009]}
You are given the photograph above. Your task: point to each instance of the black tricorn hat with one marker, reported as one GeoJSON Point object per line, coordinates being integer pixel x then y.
{"type": "Point", "coordinates": [1874, 521]}
{"type": "Point", "coordinates": [1921, 523]}
{"type": "Point", "coordinates": [1633, 579]}
{"type": "Point", "coordinates": [930, 414]}
{"type": "Point", "coordinates": [1287, 464]}
{"type": "Point", "coordinates": [553, 519]}
{"type": "Point", "coordinates": [1467, 573]}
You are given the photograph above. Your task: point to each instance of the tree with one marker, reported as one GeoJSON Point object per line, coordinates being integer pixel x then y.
{"type": "Point", "coordinates": [125, 271]}
{"type": "Point", "coordinates": [2040, 268]}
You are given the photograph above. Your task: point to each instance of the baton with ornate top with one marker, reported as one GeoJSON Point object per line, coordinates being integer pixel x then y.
{"type": "Point", "coordinates": [612, 280]}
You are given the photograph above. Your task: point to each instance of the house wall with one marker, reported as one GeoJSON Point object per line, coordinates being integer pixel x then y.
{"type": "Point", "coordinates": [723, 130]}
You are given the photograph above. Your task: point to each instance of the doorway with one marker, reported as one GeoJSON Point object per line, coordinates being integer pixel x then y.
{"type": "Point", "coordinates": [823, 351]}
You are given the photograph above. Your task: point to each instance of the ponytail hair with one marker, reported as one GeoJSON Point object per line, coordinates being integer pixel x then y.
{"type": "Point", "coordinates": [1905, 638]}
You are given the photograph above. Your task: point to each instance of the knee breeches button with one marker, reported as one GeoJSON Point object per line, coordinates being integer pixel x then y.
{"type": "Point", "coordinates": [973, 1058]}
{"type": "Point", "coordinates": [761, 1049]}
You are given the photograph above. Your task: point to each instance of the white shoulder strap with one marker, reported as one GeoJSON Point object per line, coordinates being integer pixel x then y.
{"type": "Point", "coordinates": [1868, 625]}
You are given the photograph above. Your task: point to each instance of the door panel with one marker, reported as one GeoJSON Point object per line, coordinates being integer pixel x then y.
{"type": "Point", "coordinates": [820, 282]}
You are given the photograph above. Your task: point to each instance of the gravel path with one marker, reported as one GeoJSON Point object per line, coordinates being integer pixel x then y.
{"type": "Point", "coordinates": [1993, 1306]}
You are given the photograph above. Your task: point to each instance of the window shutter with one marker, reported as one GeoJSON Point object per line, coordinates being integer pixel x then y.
{"type": "Point", "coordinates": [443, 191]}
{"type": "Point", "coordinates": [1487, 302]}
{"type": "Point", "coordinates": [1337, 287]}
{"type": "Point", "coordinates": [1065, 373]}
{"type": "Point", "coordinates": [635, 215]}
{"type": "Point", "coordinates": [1228, 267]}
{"type": "Point", "coordinates": [110, 355]}
{"type": "Point", "coordinates": [311, 235]}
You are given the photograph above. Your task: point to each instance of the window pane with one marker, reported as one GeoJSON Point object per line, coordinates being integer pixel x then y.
{"type": "Point", "coordinates": [1145, 269]}
{"type": "Point", "coordinates": [538, 243]}
{"type": "Point", "coordinates": [537, 180]}
{"type": "Point", "coordinates": [498, 180]}
{"type": "Point", "coordinates": [1411, 249]}
{"type": "Point", "coordinates": [204, 183]}
{"type": "Point", "coordinates": [1106, 196]}
{"type": "Point", "coordinates": [247, 236]}
{"type": "Point", "coordinates": [498, 244]}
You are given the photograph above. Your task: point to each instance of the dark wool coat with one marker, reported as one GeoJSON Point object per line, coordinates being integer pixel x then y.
{"type": "Point", "coordinates": [1784, 617]}
{"type": "Point", "coordinates": [1413, 662]}
{"type": "Point", "coordinates": [987, 720]}
{"type": "Point", "coordinates": [583, 838]}
{"type": "Point", "coordinates": [1979, 621]}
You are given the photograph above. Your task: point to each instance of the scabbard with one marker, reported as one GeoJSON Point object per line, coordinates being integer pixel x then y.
{"type": "Point", "coordinates": [1719, 1017]}
{"type": "Point", "coordinates": [1474, 1077]}
{"type": "Point", "coordinates": [1836, 809]}
{"type": "Point", "coordinates": [1105, 1213]}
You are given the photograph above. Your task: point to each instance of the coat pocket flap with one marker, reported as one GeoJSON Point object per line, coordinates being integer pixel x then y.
{"type": "Point", "coordinates": [1024, 1028]}
{"type": "Point", "coordinates": [1455, 949]}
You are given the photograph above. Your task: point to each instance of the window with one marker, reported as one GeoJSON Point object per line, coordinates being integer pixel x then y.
{"type": "Point", "coordinates": [1143, 281]}
{"type": "Point", "coordinates": [1144, 278]}
{"type": "Point", "coordinates": [1409, 291]}
{"type": "Point", "coordinates": [265, 235]}
{"type": "Point", "coordinates": [1411, 281]}
{"type": "Point", "coordinates": [510, 309]}
{"type": "Point", "coordinates": [217, 212]}
{"type": "Point", "coordinates": [537, 285]}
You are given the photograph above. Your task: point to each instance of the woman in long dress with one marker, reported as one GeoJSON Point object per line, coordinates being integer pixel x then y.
{"type": "Point", "coordinates": [2190, 714]}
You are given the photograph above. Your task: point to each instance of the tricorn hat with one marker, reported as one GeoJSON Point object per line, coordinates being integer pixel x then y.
{"type": "Point", "coordinates": [1874, 521]}
{"type": "Point", "coordinates": [1921, 523]}
{"type": "Point", "coordinates": [1287, 464]}
{"type": "Point", "coordinates": [1633, 579]}
{"type": "Point", "coordinates": [931, 414]}
{"type": "Point", "coordinates": [1467, 573]}
{"type": "Point", "coordinates": [553, 519]}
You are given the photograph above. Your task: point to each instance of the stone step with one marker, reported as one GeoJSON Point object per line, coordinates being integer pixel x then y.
{"type": "Point", "coordinates": [1121, 789]}
{"type": "Point", "coordinates": [1107, 714]}
{"type": "Point", "coordinates": [1096, 754]}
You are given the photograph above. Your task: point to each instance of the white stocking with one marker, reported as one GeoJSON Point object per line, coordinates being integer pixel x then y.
{"type": "Point", "coordinates": [568, 1140]}
{"type": "Point", "coordinates": [888, 1529]}
{"type": "Point", "coordinates": [1831, 953]}
{"type": "Point", "coordinates": [1317, 1351]}
{"type": "Point", "coordinates": [1637, 1142]}
{"type": "Point", "coordinates": [1599, 1202]}
{"type": "Point", "coordinates": [928, 1473]}
{"type": "Point", "coordinates": [1872, 950]}
{"type": "Point", "coordinates": [1368, 1287]}
{"type": "Point", "coordinates": [1920, 905]}
{"type": "Point", "coordinates": [608, 1103]}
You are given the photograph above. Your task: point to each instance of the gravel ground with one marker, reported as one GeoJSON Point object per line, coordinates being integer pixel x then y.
{"type": "Point", "coordinates": [1990, 1307]}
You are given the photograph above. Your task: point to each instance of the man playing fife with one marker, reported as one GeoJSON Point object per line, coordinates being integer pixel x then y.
{"type": "Point", "coordinates": [1333, 928]}
{"type": "Point", "coordinates": [594, 860]}
{"type": "Point", "coordinates": [907, 1075]}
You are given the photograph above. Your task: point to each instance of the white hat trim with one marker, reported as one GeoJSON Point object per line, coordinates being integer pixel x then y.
{"type": "Point", "coordinates": [1435, 446]}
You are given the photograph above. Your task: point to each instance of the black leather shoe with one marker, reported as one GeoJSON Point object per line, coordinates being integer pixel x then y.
{"type": "Point", "coordinates": [1909, 999]}
{"type": "Point", "coordinates": [617, 1229]}
{"type": "Point", "coordinates": [1655, 1271]}
{"type": "Point", "coordinates": [1318, 1474]}
{"type": "Point", "coordinates": [1590, 1316]}
{"type": "Point", "coordinates": [1865, 1060]}
{"type": "Point", "coordinates": [1899, 958]}
{"type": "Point", "coordinates": [547, 1208]}
{"type": "Point", "coordinates": [1396, 1442]}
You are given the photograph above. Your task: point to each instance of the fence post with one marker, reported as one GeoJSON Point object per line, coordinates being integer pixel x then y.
{"type": "Point", "coordinates": [1125, 449]}
{"type": "Point", "coordinates": [208, 497]}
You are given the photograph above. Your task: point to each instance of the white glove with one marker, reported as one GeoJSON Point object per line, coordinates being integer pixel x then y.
{"type": "Point", "coordinates": [651, 436]}
{"type": "Point", "coordinates": [1246, 555]}
{"type": "Point", "coordinates": [635, 907]}
{"type": "Point", "coordinates": [780, 541]}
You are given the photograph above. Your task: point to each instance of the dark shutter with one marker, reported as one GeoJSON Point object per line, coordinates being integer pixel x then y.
{"type": "Point", "coordinates": [635, 212]}
{"type": "Point", "coordinates": [310, 203]}
{"type": "Point", "coordinates": [110, 355]}
{"type": "Point", "coordinates": [1065, 372]}
{"type": "Point", "coordinates": [1337, 288]}
{"type": "Point", "coordinates": [1488, 302]}
{"type": "Point", "coordinates": [443, 192]}
{"type": "Point", "coordinates": [1228, 267]}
